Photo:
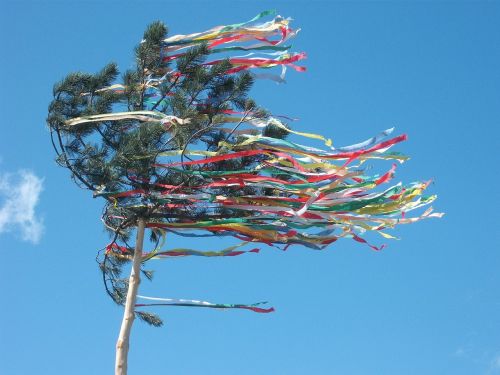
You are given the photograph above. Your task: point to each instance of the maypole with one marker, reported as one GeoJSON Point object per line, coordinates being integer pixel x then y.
{"type": "Point", "coordinates": [178, 148]}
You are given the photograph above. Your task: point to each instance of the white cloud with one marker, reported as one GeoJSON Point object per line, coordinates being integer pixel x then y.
{"type": "Point", "coordinates": [460, 352]}
{"type": "Point", "coordinates": [495, 363]}
{"type": "Point", "coordinates": [19, 195]}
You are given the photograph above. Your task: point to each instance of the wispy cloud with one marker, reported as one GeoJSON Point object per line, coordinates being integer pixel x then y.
{"type": "Point", "coordinates": [460, 352]}
{"type": "Point", "coordinates": [486, 361]}
{"type": "Point", "coordinates": [19, 195]}
{"type": "Point", "coordinates": [495, 364]}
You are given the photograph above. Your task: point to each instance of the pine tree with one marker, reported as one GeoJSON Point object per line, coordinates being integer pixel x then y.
{"type": "Point", "coordinates": [119, 154]}
{"type": "Point", "coordinates": [138, 144]}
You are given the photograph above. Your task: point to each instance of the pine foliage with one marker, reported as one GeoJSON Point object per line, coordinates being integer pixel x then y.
{"type": "Point", "coordinates": [108, 156]}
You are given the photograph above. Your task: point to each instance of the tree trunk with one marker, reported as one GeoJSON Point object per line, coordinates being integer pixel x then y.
{"type": "Point", "coordinates": [122, 344]}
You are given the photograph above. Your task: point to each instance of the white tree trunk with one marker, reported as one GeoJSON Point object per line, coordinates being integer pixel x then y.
{"type": "Point", "coordinates": [122, 344]}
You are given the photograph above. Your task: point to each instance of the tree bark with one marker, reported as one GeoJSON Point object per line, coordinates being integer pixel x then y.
{"type": "Point", "coordinates": [122, 344]}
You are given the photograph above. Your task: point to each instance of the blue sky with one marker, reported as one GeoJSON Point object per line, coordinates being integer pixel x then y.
{"type": "Point", "coordinates": [427, 304]}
